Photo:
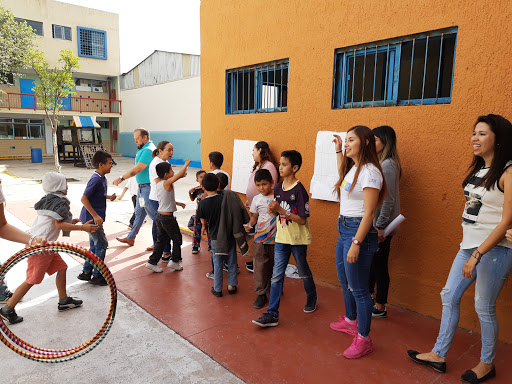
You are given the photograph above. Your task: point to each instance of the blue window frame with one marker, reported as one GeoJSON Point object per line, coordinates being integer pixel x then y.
{"type": "Point", "coordinates": [257, 88]}
{"type": "Point", "coordinates": [92, 43]}
{"type": "Point", "coordinates": [409, 70]}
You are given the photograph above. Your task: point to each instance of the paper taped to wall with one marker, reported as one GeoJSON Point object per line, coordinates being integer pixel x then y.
{"type": "Point", "coordinates": [326, 169]}
{"type": "Point", "coordinates": [242, 164]}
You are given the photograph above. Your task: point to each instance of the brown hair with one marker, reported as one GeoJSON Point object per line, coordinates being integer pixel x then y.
{"type": "Point", "coordinates": [265, 155]}
{"type": "Point", "coordinates": [367, 155]}
{"type": "Point", "coordinates": [160, 147]}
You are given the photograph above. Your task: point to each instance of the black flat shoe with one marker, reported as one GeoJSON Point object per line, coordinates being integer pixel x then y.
{"type": "Point", "coordinates": [435, 365]}
{"type": "Point", "coordinates": [470, 376]}
{"type": "Point", "coordinates": [233, 291]}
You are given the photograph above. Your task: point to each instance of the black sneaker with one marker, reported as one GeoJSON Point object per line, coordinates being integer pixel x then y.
{"type": "Point", "coordinates": [10, 316]}
{"type": "Point", "coordinates": [69, 303]}
{"type": "Point", "coordinates": [209, 248]}
{"type": "Point", "coordinates": [218, 294]}
{"type": "Point", "coordinates": [84, 276]}
{"type": "Point", "coordinates": [378, 313]}
{"type": "Point", "coordinates": [5, 297]}
{"type": "Point", "coordinates": [195, 250]}
{"type": "Point", "coordinates": [310, 304]}
{"type": "Point", "coordinates": [166, 257]}
{"type": "Point", "coordinates": [267, 320]}
{"type": "Point", "coordinates": [225, 266]}
{"type": "Point", "coordinates": [260, 301]}
{"type": "Point", "coordinates": [98, 280]}
{"type": "Point", "coordinates": [249, 266]}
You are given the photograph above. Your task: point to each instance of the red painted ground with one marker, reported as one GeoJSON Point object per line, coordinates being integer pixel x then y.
{"type": "Point", "coordinates": [302, 349]}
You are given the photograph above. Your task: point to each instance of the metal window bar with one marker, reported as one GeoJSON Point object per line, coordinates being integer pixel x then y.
{"type": "Point", "coordinates": [281, 91]}
{"type": "Point", "coordinates": [353, 76]}
{"type": "Point", "coordinates": [375, 74]}
{"type": "Point", "coordinates": [274, 89]}
{"type": "Point", "coordinates": [424, 71]}
{"type": "Point", "coordinates": [249, 91]}
{"type": "Point", "coordinates": [267, 91]}
{"type": "Point", "coordinates": [364, 76]}
{"type": "Point", "coordinates": [243, 91]}
{"type": "Point", "coordinates": [439, 66]}
{"type": "Point", "coordinates": [236, 92]}
{"type": "Point", "coordinates": [386, 68]}
{"type": "Point", "coordinates": [410, 74]}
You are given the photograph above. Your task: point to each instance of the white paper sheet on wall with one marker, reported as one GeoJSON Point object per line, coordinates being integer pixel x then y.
{"type": "Point", "coordinates": [242, 165]}
{"type": "Point", "coordinates": [326, 169]}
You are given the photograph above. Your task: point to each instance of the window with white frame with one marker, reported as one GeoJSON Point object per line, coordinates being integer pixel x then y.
{"type": "Point", "coordinates": [257, 88]}
{"type": "Point", "coordinates": [61, 32]}
{"type": "Point", "coordinates": [92, 43]}
{"type": "Point", "coordinates": [410, 70]}
{"type": "Point", "coordinates": [37, 26]}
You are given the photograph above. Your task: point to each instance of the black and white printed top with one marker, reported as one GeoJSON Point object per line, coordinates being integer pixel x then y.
{"type": "Point", "coordinates": [483, 211]}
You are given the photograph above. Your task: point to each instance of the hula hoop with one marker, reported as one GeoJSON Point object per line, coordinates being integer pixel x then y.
{"type": "Point", "coordinates": [31, 352]}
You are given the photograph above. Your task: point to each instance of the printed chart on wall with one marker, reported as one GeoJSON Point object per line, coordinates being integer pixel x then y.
{"type": "Point", "coordinates": [326, 171]}
{"type": "Point", "coordinates": [242, 165]}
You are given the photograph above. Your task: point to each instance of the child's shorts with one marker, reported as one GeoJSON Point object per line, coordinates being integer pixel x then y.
{"type": "Point", "coordinates": [40, 264]}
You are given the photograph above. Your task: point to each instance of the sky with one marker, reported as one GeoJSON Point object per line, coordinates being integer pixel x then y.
{"type": "Point", "coordinates": [148, 25]}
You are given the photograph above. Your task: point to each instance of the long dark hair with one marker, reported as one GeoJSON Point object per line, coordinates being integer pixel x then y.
{"type": "Point", "coordinates": [502, 129]}
{"type": "Point", "coordinates": [160, 147]}
{"type": "Point", "coordinates": [367, 155]}
{"type": "Point", "coordinates": [265, 155]}
{"type": "Point", "coordinates": [387, 136]}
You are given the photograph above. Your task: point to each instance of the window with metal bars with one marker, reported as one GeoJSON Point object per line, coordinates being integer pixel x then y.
{"type": "Point", "coordinates": [409, 70]}
{"type": "Point", "coordinates": [61, 32]}
{"type": "Point", "coordinates": [37, 26]}
{"type": "Point", "coordinates": [92, 43]}
{"type": "Point", "coordinates": [257, 88]}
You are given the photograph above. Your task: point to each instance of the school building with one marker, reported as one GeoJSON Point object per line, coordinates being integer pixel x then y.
{"type": "Point", "coordinates": [93, 36]}
{"type": "Point", "coordinates": [163, 95]}
{"type": "Point", "coordinates": [282, 71]}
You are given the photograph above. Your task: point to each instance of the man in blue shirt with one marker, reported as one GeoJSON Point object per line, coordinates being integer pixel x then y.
{"type": "Point", "coordinates": [141, 173]}
{"type": "Point", "coordinates": [94, 200]}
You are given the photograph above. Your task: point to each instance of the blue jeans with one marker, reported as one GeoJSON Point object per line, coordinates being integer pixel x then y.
{"type": "Point", "coordinates": [282, 253]}
{"type": "Point", "coordinates": [98, 245]}
{"type": "Point", "coordinates": [140, 212]}
{"type": "Point", "coordinates": [3, 288]}
{"type": "Point", "coordinates": [354, 277]}
{"type": "Point", "coordinates": [490, 274]}
{"type": "Point", "coordinates": [154, 232]}
{"type": "Point", "coordinates": [218, 261]}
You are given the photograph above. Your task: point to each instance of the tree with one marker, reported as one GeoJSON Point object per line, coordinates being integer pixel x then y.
{"type": "Point", "coordinates": [55, 84]}
{"type": "Point", "coordinates": [16, 41]}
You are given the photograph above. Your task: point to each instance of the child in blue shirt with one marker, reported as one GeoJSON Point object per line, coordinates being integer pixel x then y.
{"type": "Point", "coordinates": [94, 200]}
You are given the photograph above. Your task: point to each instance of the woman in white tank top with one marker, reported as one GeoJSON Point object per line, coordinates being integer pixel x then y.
{"type": "Point", "coordinates": [484, 256]}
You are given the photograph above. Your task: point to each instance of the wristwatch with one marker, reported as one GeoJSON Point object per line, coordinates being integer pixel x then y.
{"type": "Point", "coordinates": [121, 177]}
{"type": "Point", "coordinates": [356, 242]}
{"type": "Point", "coordinates": [288, 213]}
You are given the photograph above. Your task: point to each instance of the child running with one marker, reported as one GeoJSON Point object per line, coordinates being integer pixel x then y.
{"type": "Point", "coordinates": [293, 236]}
{"type": "Point", "coordinates": [53, 215]}
{"type": "Point", "coordinates": [166, 224]}
{"type": "Point", "coordinates": [264, 238]}
{"type": "Point", "coordinates": [94, 200]}
{"type": "Point", "coordinates": [197, 193]}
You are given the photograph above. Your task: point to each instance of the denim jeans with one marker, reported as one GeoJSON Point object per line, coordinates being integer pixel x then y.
{"type": "Point", "coordinates": [282, 253]}
{"type": "Point", "coordinates": [140, 212]}
{"type": "Point", "coordinates": [154, 232]}
{"type": "Point", "coordinates": [3, 288]}
{"type": "Point", "coordinates": [354, 277]}
{"type": "Point", "coordinates": [168, 228]}
{"type": "Point", "coordinates": [98, 245]}
{"type": "Point", "coordinates": [490, 274]}
{"type": "Point", "coordinates": [218, 261]}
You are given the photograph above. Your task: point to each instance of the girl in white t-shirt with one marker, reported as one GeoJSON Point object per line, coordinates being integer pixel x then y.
{"type": "Point", "coordinates": [361, 189]}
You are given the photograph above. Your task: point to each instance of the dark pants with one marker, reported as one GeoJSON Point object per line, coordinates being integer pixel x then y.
{"type": "Point", "coordinates": [263, 264]}
{"type": "Point", "coordinates": [168, 229]}
{"type": "Point", "coordinates": [379, 271]}
{"type": "Point", "coordinates": [134, 201]}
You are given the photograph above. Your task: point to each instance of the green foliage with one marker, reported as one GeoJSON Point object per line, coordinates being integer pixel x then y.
{"type": "Point", "coordinates": [55, 83]}
{"type": "Point", "coordinates": [16, 41]}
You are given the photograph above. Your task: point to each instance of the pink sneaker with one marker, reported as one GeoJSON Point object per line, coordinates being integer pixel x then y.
{"type": "Point", "coordinates": [360, 346]}
{"type": "Point", "coordinates": [344, 326]}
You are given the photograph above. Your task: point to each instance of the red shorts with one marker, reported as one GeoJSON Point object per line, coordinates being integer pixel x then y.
{"type": "Point", "coordinates": [40, 264]}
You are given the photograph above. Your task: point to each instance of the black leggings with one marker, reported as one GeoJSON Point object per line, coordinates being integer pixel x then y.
{"type": "Point", "coordinates": [379, 271]}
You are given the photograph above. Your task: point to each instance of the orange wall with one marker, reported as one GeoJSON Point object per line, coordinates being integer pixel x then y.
{"type": "Point", "coordinates": [433, 140]}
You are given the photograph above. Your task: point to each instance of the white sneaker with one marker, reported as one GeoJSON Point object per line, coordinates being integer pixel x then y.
{"type": "Point", "coordinates": [209, 275]}
{"type": "Point", "coordinates": [154, 268]}
{"type": "Point", "coordinates": [175, 266]}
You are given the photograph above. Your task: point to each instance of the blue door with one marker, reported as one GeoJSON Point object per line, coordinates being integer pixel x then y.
{"type": "Point", "coordinates": [65, 103]}
{"type": "Point", "coordinates": [26, 86]}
